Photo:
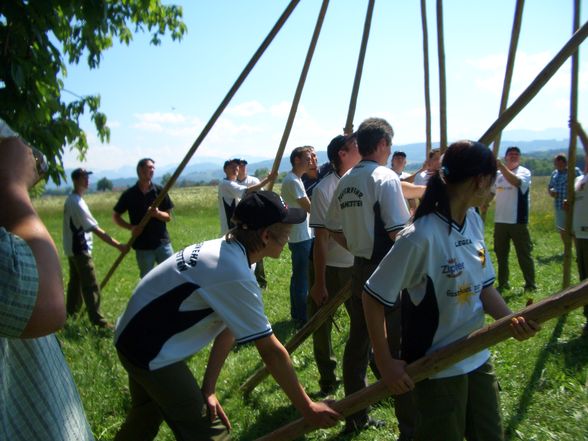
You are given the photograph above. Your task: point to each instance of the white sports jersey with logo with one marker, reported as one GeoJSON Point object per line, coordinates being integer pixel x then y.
{"type": "Point", "coordinates": [78, 224]}
{"type": "Point", "coordinates": [442, 274]}
{"type": "Point", "coordinates": [368, 204]}
{"type": "Point", "coordinates": [581, 207]}
{"type": "Point", "coordinates": [337, 256]}
{"type": "Point", "coordinates": [512, 203]}
{"type": "Point", "coordinates": [187, 300]}
{"type": "Point", "coordinates": [229, 195]}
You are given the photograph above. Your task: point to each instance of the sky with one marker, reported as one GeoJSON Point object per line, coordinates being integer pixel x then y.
{"type": "Point", "coordinates": [158, 98]}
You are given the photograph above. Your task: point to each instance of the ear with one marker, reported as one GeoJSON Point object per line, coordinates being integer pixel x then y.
{"type": "Point", "coordinates": [265, 236]}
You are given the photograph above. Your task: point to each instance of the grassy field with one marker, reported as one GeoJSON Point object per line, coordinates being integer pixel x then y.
{"type": "Point", "coordinates": [543, 381]}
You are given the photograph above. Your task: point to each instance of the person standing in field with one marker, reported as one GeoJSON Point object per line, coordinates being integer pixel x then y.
{"type": "Point", "coordinates": [78, 226]}
{"type": "Point", "coordinates": [511, 218]}
{"type": "Point", "coordinates": [300, 240]}
{"type": "Point", "coordinates": [558, 190]}
{"type": "Point", "coordinates": [445, 286]}
{"type": "Point", "coordinates": [206, 292]}
{"type": "Point", "coordinates": [331, 263]}
{"type": "Point", "coordinates": [152, 242]}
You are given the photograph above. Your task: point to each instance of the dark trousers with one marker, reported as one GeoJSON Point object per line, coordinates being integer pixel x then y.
{"type": "Point", "coordinates": [521, 239]}
{"type": "Point", "coordinates": [83, 286]}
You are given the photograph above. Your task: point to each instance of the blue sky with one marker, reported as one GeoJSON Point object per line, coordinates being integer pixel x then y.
{"type": "Point", "coordinates": [158, 98]}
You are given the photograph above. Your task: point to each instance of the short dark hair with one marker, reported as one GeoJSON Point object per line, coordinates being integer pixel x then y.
{"type": "Point", "coordinates": [398, 153]}
{"type": "Point", "coordinates": [370, 133]}
{"type": "Point", "coordinates": [512, 148]}
{"type": "Point", "coordinates": [299, 151]}
{"type": "Point", "coordinates": [142, 163]}
{"type": "Point", "coordinates": [433, 152]}
{"type": "Point", "coordinates": [561, 157]}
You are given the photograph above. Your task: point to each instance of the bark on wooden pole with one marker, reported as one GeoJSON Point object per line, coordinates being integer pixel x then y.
{"type": "Point", "coordinates": [299, 89]}
{"type": "Point", "coordinates": [567, 263]}
{"type": "Point", "coordinates": [424, 367]}
{"type": "Point", "coordinates": [225, 102]}
{"type": "Point", "coordinates": [442, 79]}
{"type": "Point", "coordinates": [529, 93]}
{"type": "Point", "coordinates": [428, 144]}
{"type": "Point", "coordinates": [324, 313]}
{"type": "Point", "coordinates": [512, 51]}
{"type": "Point", "coordinates": [348, 129]}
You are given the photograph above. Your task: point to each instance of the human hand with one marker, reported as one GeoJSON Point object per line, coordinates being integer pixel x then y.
{"type": "Point", "coordinates": [396, 378]}
{"type": "Point", "coordinates": [136, 230]}
{"type": "Point", "coordinates": [522, 329]}
{"type": "Point", "coordinates": [216, 411]}
{"type": "Point", "coordinates": [319, 294]}
{"type": "Point", "coordinates": [122, 247]}
{"type": "Point", "coordinates": [320, 414]}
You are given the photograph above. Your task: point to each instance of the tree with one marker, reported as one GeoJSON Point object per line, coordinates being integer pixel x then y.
{"type": "Point", "coordinates": [104, 184]}
{"type": "Point", "coordinates": [166, 177]}
{"type": "Point", "coordinates": [261, 172]}
{"type": "Point", "coordinates": [32, 66]}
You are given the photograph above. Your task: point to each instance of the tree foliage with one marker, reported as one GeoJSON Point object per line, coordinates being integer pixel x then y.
{"type": "Point", "coordinates": [104, 184]}
{"type": "Point", "coordinates": [38, 38]}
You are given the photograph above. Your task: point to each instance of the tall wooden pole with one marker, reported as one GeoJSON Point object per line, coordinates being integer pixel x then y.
{"type": "Point", "coordinates": [567, 263]}
{"type": "Point", "coordinates": [225, 102]}
{"type": "Point", "coordinates": [442, 79]}
{"type": "Point", "coordinates": [348, 129]}
{"type": "Point", "coordinates": [428, 144]}
{"type": "Point", "coordinates": [437, 361]}
{"type": "Point", "coordinates": [299, 89]}
{"type": "Point", "coordinates": [512, 50]}
{"type": "Point", "coordinates": [529, 93]}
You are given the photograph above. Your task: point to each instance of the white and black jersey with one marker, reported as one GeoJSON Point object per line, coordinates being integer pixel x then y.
{"type": "Point", "coordinates": [441, 274]}
{"type": "Point", "coordinates": [186, 301]}
{"type": "Point", "coordinates": [512, 203]}
{"type": "Point", "coordinates": [367, 205]}
{"type": "Point", "coordinates": [78, 224]}
{"type": "Point", "coordinates": [580, 218]}
{"type": "Point", "coordinates": [229, 195]}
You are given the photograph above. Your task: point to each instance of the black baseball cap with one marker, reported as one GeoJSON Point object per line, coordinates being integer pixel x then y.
{"type": "Point", "coordinates": [263, 208]}
{"type": "Point", "coordinates": [80, 172]}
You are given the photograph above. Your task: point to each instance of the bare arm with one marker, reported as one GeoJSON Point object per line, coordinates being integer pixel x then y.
{"type": "Point", "coordinates": [496, 307]}
{"type": "Point", "coordinates": [109, 239]}
{"type": "Point", "coordinates": [17, 174]}
{"type": "Point", "coordinates": [509, 175]}
{"type": "Point", "coordinates": [319, 292]}
{"type": "Point", "coordinates": [278, 363]}
{"type": "Point", "coordinates": [412, 191]}
{"type": "Point", "coordinates": [339, 237]}
{"type": "Point", "coordinates": [269, 178]}
{"type": "Point", "coordinates": [304, 203]}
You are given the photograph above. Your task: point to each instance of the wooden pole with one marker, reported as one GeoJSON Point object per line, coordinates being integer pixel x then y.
{"type": "Point", "coordinates": [225, 102]}
{"type": "Point", "coordinates": [442, 79]}
{"type": "Point", "coordinates": [298, 93]}
{"type": "Point", "coordinates": [316, 321]}
{"type": "Point", "coordinates": [529, 93]}
{"type": "Point", "coordinates": [437, 361]}
{"type": "Point", "coordinates": [512, 50]}
{"type": "Point", "coordinates": [567, 263]}
{"type": "Point", "coordinates": [428, 144]}
{"type": "Point", "coordinates": [348, 129]}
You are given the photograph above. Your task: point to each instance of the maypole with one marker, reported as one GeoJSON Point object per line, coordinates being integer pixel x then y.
{"type": "Point", "coordinates": [442, 79]}
{"type": "Point", "coordinates": [428, 144]}
{"type": "Point", "coordinates": [172, 180]}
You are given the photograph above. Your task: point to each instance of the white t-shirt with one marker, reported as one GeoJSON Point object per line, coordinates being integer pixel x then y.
{"type": "Point", "coordinates": [78, 224]}
{"type": "Point", "coordinates": [186, 301]}
{"type": "Point", "coordinates": [249, 181]}
{"type": "Point", "coordinates": [512, 203]}
{"type": "Point", "coordinates": [292, 190]}
{"type": "Point", "coordinates": [368, 204]}
{"type": "Point", "coordinates": [442, 274]}
{"type": "Point", "coordinates": [229, 195]}
{"type": "Point", "coordinates": [581, 207]}
{"type": "Point", "coordinates": [422, 178]}
{"type": "Point", "coordinates": [337, 256]}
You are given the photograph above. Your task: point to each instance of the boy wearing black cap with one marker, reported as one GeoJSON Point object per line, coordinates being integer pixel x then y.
{"type": "Point", "coordinates": [206, 292]}
{"type": "Point", "coordinates": [78, 226]}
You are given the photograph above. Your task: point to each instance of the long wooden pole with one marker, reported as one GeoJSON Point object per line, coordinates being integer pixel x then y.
{"type": "Point", "coordinates": [348, 129]}
{"type": "Point", "coordinates": [542, 78]}
{"type": "Point", "coordinates": [567, 263]}
{"type": "Point", "coordinates": [437, 361]}
{"type": "Point", "coordinates": [512, 51]}
{"type": "Point", "coordinates": [428, 144]}
{"type": "Point", "coordinates": [299, 89]}
{"type": "Point", "coordinates": [442, 79]}
{"type": "Point", "coordinates": [324, 313]}
{"type": "Point", "coordinates": [225, 102]}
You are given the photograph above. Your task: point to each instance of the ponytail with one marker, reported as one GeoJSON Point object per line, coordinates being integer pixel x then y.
{"type": "Point", "coordinates": [435, 198]}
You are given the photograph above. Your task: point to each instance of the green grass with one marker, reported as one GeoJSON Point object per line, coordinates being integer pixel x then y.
{"type": "Point", "coordinates": [543, 380]}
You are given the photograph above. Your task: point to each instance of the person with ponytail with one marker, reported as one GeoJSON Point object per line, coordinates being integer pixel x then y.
{"type": "Point", "coordinates": [440, 270]}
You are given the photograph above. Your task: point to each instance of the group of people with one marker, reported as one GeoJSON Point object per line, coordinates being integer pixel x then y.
{"type": "Point", "coordinates": [416, 285]}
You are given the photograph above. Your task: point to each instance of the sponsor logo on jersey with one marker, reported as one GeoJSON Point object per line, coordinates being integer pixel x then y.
{"type": "Point", "coordinates": [482, 256]}
{"type": "Point", "coordinates": [453, 268]}
{"type": "Point", "coordinates": [463, 294]}
{"type": "Point", "coordinates": [181, 262]}
{"type": "Point", "coordinates": [462, 242]}
{"type": "Point", "coordinates": [351, 191]}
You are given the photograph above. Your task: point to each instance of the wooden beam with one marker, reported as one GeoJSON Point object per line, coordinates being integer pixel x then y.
{"type": "Point", "coordinates": [546, 309]}
{"type": "Point", "coordinates": [442, 79]}
{"type": "Point", "coordinates": [428, 144]}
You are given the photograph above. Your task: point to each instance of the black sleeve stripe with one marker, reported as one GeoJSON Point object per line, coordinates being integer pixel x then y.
{"type": "Point", "coordinates": [488, 282]}
{"type": "Point", "coordinates": [396, 227]}
{"type": "Point", "coordinates": [317, 225]}
{"type": "Point", "coordinates": [377, 296]}
{"type": "Point", "coordinates": [254, 337]}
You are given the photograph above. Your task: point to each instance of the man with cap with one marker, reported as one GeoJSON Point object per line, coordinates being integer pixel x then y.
{"type": "Point", "coordinates": [206, 292]}
{"type": "Point", "coordinates": [330, 269]}
{"type": "Point", "coordinates": [78, 226]}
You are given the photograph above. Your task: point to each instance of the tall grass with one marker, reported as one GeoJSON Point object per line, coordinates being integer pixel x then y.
{"type": "Point", "coordinates": [543, 380]}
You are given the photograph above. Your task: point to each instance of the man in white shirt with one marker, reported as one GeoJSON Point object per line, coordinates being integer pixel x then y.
{"type": "Point", "coordinates": [511, 218]}
{"type": "Point", "coordinates": [300, 240]}
{"type": "Point", "coordinates": [433, 163]}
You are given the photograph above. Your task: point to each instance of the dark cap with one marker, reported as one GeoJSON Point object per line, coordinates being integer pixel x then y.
{"type": "Point", "coordinates": [80, 172]}
{"type": "Point", "coordinates": [336, 144]}
{"type": "Point", "coordinates": [513, 148]}
{"type": "Point", "coordinates": [263, 208]}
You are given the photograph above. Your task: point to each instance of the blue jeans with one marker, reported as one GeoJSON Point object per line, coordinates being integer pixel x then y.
{"type": "Point", "coordinates": [299, 280]}
{"type": "Point", "coordinates": [146, 258]}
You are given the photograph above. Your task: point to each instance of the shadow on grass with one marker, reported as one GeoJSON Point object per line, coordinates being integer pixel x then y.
{"type": "Point", "coordinates": [546, 260]}
{"type": "Point", "coordinates": [529, 390]}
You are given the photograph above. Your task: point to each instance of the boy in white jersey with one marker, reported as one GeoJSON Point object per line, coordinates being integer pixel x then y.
{"type": "Point", "coordinates": [441, 265]}
{"type": "Point", "coordinates": [206, 292]}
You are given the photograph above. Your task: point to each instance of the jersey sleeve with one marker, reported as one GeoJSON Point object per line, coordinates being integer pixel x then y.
{"type": "Point", "coordinates": [403, 267]}
{"type": "Point", "coordinates": [333, 220]}
{"type": "Point", "coordinates": [319, 209]}
{"type": "Point", "coordinates": [122, 205]}
{"type": "Point", "coordinates": [394, 211]}
{"type": "Point", "coordinates": [235, 189]}
{"type": "Point", "coordinates": [241, 308]}
{"type": "Point", "coordinates": [83, 217]}
{"type": "Point", "coordinates": [525, 176]}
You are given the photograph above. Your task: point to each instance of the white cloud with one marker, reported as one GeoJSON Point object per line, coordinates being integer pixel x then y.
{"type": "Point", "coordinates": [249, 108]}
